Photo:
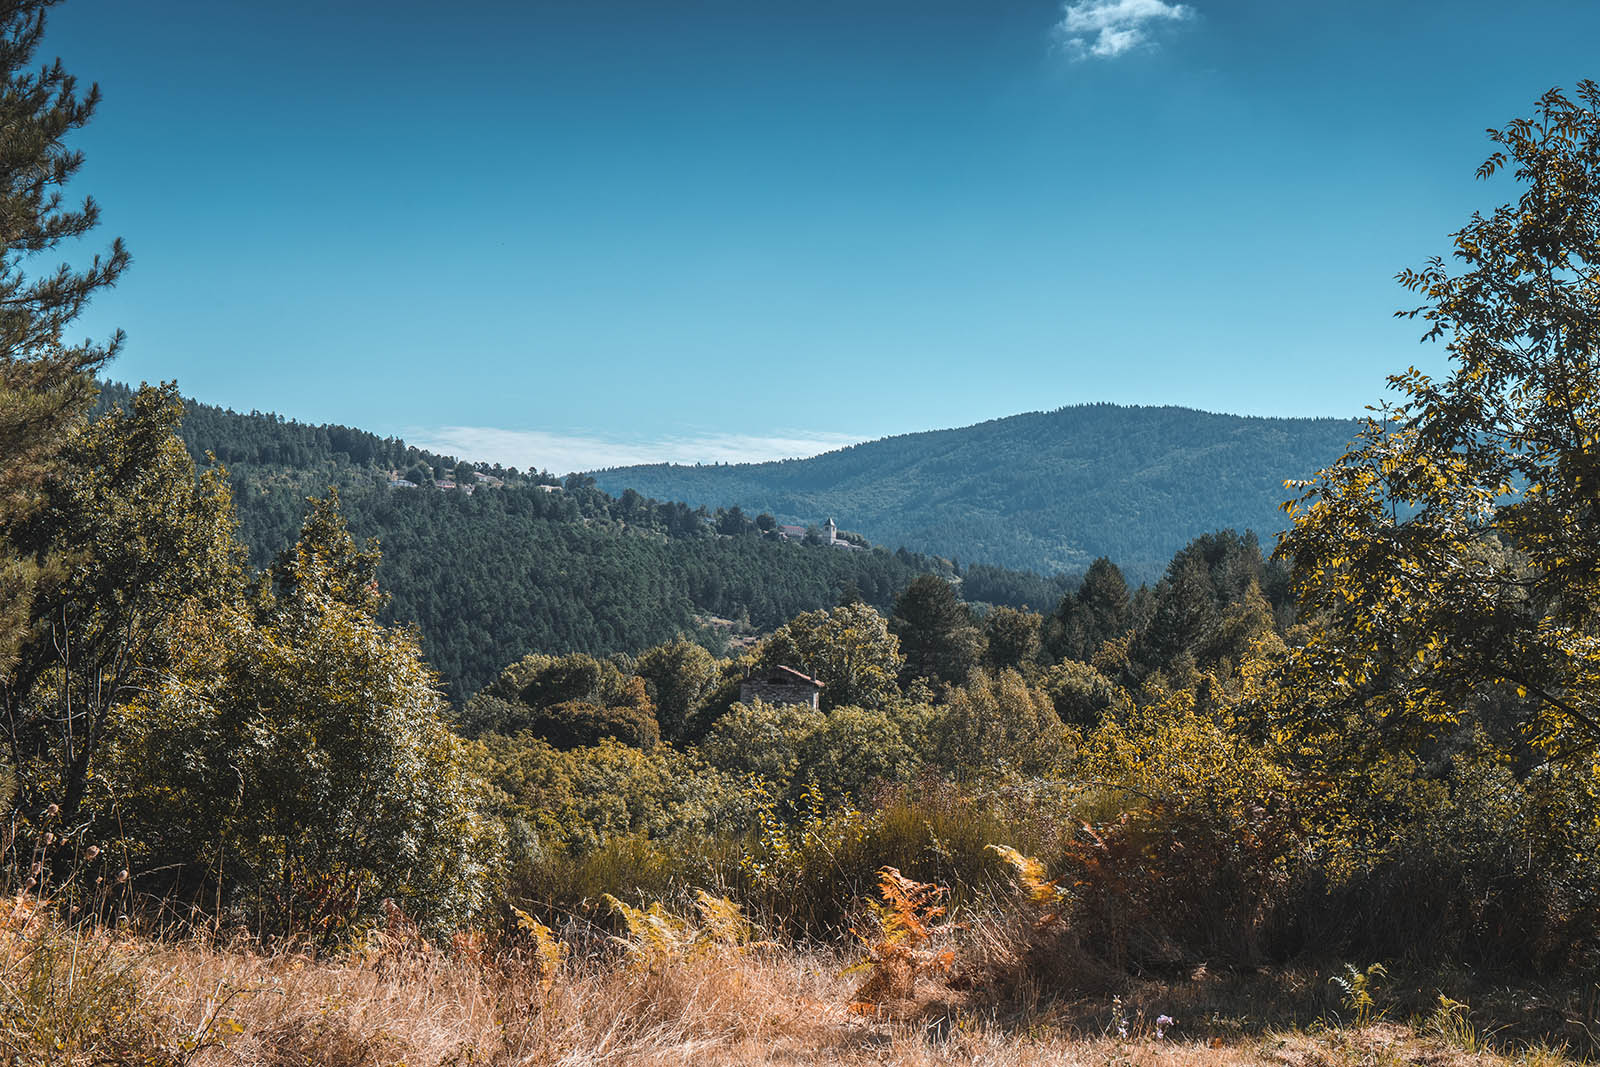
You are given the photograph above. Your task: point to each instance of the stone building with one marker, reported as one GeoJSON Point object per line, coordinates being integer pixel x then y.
{"type": "Point", "coordinates": [781, 685]}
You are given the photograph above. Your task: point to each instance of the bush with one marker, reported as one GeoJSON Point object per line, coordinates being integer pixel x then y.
{"type": "Point", "coordinates": [1188, 838]}
{"type": "Point", "coordinates": [298, 764]}
{"type": "Point", "coordinates": [576, 801]}
{"type": "Point", "coordinates": [763, 741]}
{"type": "Point", "coordinates": [997, 724]}
{"type": "Point", "coordinates": [1467, 864]}
{"type": "Point", "coordinates": [1082, 696]}
{"type": "Point", "coordinates": [580, 724]}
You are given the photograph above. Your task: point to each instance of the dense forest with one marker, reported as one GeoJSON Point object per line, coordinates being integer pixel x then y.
{"type": "Point", "coordinates": [529, 562]}
{"type": "Point", "coordinates": [1048, 491]}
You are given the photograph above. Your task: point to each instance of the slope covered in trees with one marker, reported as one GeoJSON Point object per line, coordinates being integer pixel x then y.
{"type": "Point", "coordinates": [526, 564]}
{"type": "Point", "coordinates": [1047, 491]}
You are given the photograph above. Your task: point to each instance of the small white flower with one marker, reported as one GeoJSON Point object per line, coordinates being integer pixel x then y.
{"type": "Point", "coordinates": [1162, 1022]}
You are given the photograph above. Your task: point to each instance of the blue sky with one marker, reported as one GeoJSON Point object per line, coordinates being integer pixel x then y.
{"type": "Point", "coordinates": [572, 234]}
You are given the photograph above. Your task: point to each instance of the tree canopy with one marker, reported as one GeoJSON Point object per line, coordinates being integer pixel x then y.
{"type": "Point", "coordinates": [1455, 548]}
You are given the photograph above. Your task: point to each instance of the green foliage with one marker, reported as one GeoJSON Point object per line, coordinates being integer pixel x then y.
{"type": "Point", "coordinates": [1098, 611]}
{"type": "Point", "coordinates": [938, 636]}
{"type": "Point", "coordinates": [1082, 696]}
{"type": "Point", "coordinates": [680, 676]}
{"type": "Point", "coordinates": [298, 757]}
{"type": "Point", "coordinates": [579, 800]}
{"type": "Point", "coordinates": [848, 649]}
{"type": "Point", "coordinates": [763, 740]}
{"type": "Point", "coordinates": [1190, 833]}
{"type": "Point", "coordinates": [147, 542]}
{"type": "Point", "coordinates": [998, 724]}
{"type": "Point", "coordinates": [570, 701]}
{"type": "Point", "coordinates": [1452, 551]}
{"type": "Point", "coordinates": [1011, 638]}
{"type": "Point", "coordinates": [1468, 861]}
{"type": "Point", "coordinates": [857, 751]}
{"type": "Point", "coordinates": [45, 387]}
{"type": "Point", "coordinates": [841, 756]}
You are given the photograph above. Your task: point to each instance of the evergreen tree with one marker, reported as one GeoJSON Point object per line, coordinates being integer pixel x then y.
{"type": "Point", "coordinates": [1098, 611]}
{"type": "Point", "coordinates": [1011, 638]}
{"type": "Point", "coordinates": [45, 384]}
{"type": "Point", "coordinates": [937, 635]}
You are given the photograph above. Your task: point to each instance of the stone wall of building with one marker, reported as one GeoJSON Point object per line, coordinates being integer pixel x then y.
{"type": "Point", "coordinates": [771, 692]}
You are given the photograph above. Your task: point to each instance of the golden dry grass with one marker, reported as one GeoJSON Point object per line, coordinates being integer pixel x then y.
{"type": "Point", "coordinates": [195, 1003]}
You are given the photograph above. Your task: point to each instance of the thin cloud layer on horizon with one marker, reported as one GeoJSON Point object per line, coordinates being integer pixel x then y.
{"type": "Point", "coordinates": [563, 453]}
{"type": "Point", "coordinates": [1106, 29]}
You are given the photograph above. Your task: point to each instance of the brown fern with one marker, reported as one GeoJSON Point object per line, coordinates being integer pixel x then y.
{"type": "Point", "coordinates": [901, 946]}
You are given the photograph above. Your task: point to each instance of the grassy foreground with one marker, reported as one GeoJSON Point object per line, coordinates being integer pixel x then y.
{"type": "Point", "coordinates": [91, 996]}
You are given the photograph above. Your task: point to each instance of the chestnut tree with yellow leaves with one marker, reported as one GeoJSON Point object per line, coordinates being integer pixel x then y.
{"type": "Point", "coordinates": [1451, 558]}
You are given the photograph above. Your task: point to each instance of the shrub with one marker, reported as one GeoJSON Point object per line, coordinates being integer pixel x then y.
{"type": "Point", "coordinates": [298, 761]}
{"type": "Point", "coordinates": [998, 724]}
{"type": "Point", "coordinates": [762, 740]}
{"type": "Point", "coordinates": [856, 750]}
{"type": "Point", "coordinates": [580, 724]}
{"type": "Point", "coordinates": [575, 801]}
{"type": "Point", "coordinates": [1082, 696]}
{"type": "Point", "coordinates": [1188, 837]}
{"type": "Point", "coordinates": [1466, 862]}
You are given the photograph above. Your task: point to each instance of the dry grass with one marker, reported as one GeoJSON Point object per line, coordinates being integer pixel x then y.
{"type": "Point", "coordinates": [195, 1003]}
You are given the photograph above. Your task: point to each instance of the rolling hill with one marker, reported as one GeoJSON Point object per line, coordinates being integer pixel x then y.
{"type": "Point", "coordinates": [1047, 491]}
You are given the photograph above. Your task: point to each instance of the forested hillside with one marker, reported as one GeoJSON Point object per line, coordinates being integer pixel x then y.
{"type": "Point", "coordinates": [527, 566]}
{"type": "Point", "coordinates": [1047, 491]}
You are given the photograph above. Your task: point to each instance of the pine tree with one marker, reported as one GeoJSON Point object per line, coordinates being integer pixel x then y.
{"type": "Point", "coordinates": [45, 383]}
{"type": "Point", "coordinates": [937, 634]}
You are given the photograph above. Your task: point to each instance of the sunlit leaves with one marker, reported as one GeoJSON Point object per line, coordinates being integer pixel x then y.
{"type": "Point", "coordinates": [1455, 549]}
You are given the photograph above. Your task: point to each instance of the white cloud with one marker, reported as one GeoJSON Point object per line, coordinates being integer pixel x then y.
{"type": "Point", "coordinates": [561, 453]}
{"type": "Point", "coordinates": [1108, 28]}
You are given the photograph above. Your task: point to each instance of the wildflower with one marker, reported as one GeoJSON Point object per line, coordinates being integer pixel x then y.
{"type": "Point", "coordinates": [1162, 1022]}
{"type": "Point", "coordinates": [91, 853]}
{"type": "Point", "coordinates": [53, 810]}
{"type": "Point", "coordinates": [122, 876]}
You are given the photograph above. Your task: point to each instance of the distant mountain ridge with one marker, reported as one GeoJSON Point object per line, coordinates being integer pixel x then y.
{"type": "Point", "coordinates": [1047, 491]}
